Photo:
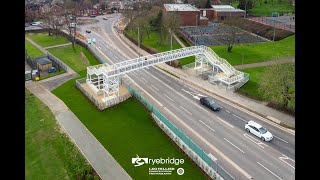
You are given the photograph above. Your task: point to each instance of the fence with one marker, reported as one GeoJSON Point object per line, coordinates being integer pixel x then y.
{"type": "Point", "coordinates": [194, 147]}
{"type": "Point", "coordinates": [57, 61]}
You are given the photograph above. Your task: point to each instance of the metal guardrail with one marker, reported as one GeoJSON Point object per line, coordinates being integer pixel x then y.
{"type": "Point", "coordinates": [193, 146]}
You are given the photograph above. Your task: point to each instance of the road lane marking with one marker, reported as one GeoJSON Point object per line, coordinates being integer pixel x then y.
{"type": "Point", "coordinates": [233, 145]}
{"type": "Point", "coordinates": [239, 118]}
{"type": "Point", "coordinates": [206, 125]}
{"type": "Point", "coordinates": [281, 139]}
{"type": "Point", "coordinates": [185, 110]}
{"type": "Point", "coordinates": [255, 140]}
{"type": "Point", "coordinates": [195, 132]}
{"type": "Point", "coordinates": [225, 122]}
{"type": "Point", "coordinates": [269, 171]}
{"type": "Point", "coordinates": [135, 72]}
{"type": "Point", "coordinates": [228, 111]}
{"type": "Point", "coordinates": [144, 79]}
{"type": "Point", "coordinates": [175, 91]}
{"type": "Point", "coordinates": [169, 97]}
{"type": "Point", "coordinates": [155, 87]}
{"type": "Point", "coordinates": [287, 158]}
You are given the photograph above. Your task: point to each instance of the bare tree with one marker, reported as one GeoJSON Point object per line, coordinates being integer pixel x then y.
{"type": "Point", "coordinates": [53, 22]}
{"type": "Point", "coordinates": [231, 31]}
{"type": "Point", "coordinates": [70, 19]}
{"type": "Point", "coordinates": [278, 83]}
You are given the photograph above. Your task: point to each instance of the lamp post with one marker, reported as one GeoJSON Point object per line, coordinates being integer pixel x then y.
{"type": "Point", "coordinates": [138, 38]}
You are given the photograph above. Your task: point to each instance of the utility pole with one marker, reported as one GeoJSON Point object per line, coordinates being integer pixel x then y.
{"type": "Point", "coordinates": [242, 58]}
{"type": "Point", "coordinates": [171, 42]}
{"type": "Point", "coordinates": [138, 38]}
{"type": "Point", "coordinates": [245, 9]}
{"type": "Point", "coordinates": [274, 31]}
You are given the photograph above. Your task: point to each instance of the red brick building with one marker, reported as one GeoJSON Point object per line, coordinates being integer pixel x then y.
{"type": "Point", "coordinates": [221, 12]}
{"type": "Point", "coordinates": [189, 15]}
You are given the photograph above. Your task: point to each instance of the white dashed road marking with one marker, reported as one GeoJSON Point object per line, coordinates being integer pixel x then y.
{"type": "Point", "coordinates": [255, 140]}
{"type": "Point", "coordinates": [280, 139]}
{"type": "Point", "coordinates": [206, 125]}
{"type": "Point", "coordinates": [144, 79]}
{"type": "Point", "coordinates": [239, 118]}
{"type": "Point", "coordinates": [155, 87]}
{"type": "Point", "coordinates": [169, 98]}
{"type": "Point", "coordinates": [225, 122]}
{"type": "Point", "coordinates": [185, 110]}
{"type": "Point", "coordinates": [233, 145]}
{"type": "Point", "coordinates": [269, 171]}
{"type": "Point", "coordinates": [284, 157]}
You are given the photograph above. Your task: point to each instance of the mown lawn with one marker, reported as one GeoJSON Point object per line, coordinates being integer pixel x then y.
{"type": "Point", "coordinates": [153, 41]}
{"type": "Point", "coordinates": [44, 40]}
{"type": "Point", "coordinates": [262, 9]}
{"type": "Point", "coordinates": [49, 154]}
{"type": "Point", "coordinates": [73, 58]}
{"type": "Point", "coordinates": [32, 50]}
{"type": "Point", "coordinates": [250, 89]}
{"type": "Point", "coordinates": [257, 52]}
{"type": "Point", "coordinates": [126, 130]}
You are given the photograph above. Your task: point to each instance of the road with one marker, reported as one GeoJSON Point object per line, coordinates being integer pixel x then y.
{"type": "Point", "coordinates": [224, 129]}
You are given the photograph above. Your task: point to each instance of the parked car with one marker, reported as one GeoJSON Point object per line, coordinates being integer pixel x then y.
{"type": "Point", "coordinates": [36, 23]}
{"type": "Point", "coordinates": [258, 130]}
{"type": "Point", "coordinates": [52, 70]}
{"type": "Point", "coordinates": [88, 31]}
{"type": "Point", "coordinates": [210, 103]}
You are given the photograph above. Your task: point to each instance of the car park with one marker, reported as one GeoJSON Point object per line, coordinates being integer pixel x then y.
{"type": "Point", "coordinates": [258, 130]}
{"type": "Point", "coordinates": [210, 103]}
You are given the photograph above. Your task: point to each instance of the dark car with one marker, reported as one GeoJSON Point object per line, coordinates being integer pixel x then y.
{"type": "Point", "coordinates": [105, 18]}
{"type": "Point", "coordinates": [210, 103]}
{"type": "Point", "coordinates": [88, 31]}
{"type": "Point", "coordinates": [52, 70]}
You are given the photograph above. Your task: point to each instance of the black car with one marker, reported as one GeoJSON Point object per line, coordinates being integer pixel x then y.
{"type": "Point", "coordinates": [105, 18]}
{"type": "Point", "coordinates": [210, 103]}
{"type": "Point", "coordinates": [88, 31]}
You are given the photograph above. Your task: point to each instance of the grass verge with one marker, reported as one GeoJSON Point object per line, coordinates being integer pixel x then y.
{"type": "Point", "coordinates": [44, 40]}
{"type": "Point", "coordinates": [257, 52]}
{"type": "Point", "coordinates": [52, 74]}
{"type": "Point", "coordinates": [126, 130]}
{"type": "Point", "coordinates": [32, 50]}
{"type": "Point", "coordinates": [49, 153]}
{"type": "Point", "coordinates": [73, 58]}
{"type": "Point", "coordinates": [266, 9]}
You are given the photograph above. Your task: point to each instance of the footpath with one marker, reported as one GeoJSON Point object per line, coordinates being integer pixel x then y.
{"type": "Point", "coordinates": [253, 107]}
{"type": "Point", "coordinates": [99, 158]}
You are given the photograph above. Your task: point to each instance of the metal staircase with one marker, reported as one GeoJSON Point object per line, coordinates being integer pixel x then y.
{"type": "Point", "coordinates": [110, 74]}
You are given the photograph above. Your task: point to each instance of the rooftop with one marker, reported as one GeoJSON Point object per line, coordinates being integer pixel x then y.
{"type": "Point", "coordinates": [44, 61]}
{"type": "Point", "coordinates": [225, 8]}
{"type": "Point", "coordinates": [180, 7]}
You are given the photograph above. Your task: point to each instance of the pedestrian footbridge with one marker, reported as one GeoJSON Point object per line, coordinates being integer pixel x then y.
{"type": "Point", "coordinates": [105, 78]}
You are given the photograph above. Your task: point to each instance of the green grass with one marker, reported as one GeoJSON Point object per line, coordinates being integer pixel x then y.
{"type": "Point", "coordinates": [153, 41]}
{"type": "Point", "coordinates": [44, 40]}
{"type": "Point", "coordinates": [49, 154]}
{"type": "Point", "coordinates": [72, 58]}
{"type": "Point", "coordinates": [263, 9]}
{"type": "Point", "coordinates": [250, 89]}
{"type": "Point", "coordinates": [126, 130]}
{"type": "Point", "coordinates": [258, 52]}
{"type": "Point", "coordinates": [32, 50]}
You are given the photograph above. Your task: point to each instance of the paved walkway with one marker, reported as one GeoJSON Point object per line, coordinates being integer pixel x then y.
{"type": "Point", "coordinates": [99, 158]}
{"type": "Point", "coordinates": [67, 44]}
{"type": "Point", "coordinates": [266, 63]}
{"type": "Point", "coordinates": [249, 104]}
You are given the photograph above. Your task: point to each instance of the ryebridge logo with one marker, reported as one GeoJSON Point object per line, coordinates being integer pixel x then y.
{"type": "Point", "coordinates": [139, 161]}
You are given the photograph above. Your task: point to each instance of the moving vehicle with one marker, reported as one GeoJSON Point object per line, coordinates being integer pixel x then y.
{"type": "Point", "coordinates": [210, 103]}
{"type": "Point", "coordinates": [258, 130]}
{"type": "Point", "coordinates": [104, 18]}
{"type": "Point", "coordinates": [88, 31]}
